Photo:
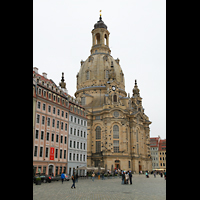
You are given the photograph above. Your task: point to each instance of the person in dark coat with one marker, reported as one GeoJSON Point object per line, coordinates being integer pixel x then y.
{"type": "Point", "coordinates": [73, 179]}
{"type": "Point", "coordinates": [130, 177]}
{"type": "Point", "coordinates": [123, 177]}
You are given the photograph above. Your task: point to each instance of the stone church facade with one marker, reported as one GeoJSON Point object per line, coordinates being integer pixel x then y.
{"type": "Point", "coordinates": [118, 129]}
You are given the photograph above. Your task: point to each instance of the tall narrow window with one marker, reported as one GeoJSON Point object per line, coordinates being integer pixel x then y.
{"type": "Point", "coordinates": [116, 132]}
{"type": "Point", "coordinates": [98, 146]}
{"type": "Point", "coordinates": [98, 132]}
{"type": "Point", "coordinates": [82, 101]}
{"type": "Point", "coordinates": [107, 74]}
{"type": "Point", "coordinates": [115, 98]}
{"type": "Point", "coordinates": [116, 146]}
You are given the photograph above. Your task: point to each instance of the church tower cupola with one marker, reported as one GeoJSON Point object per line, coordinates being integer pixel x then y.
{"type": "Point", "coordinates": [100, 38]}
{"type": "Point", "coordinates": [136, 91]}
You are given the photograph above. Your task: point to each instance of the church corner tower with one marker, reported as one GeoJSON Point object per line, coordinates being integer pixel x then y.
{"type": "Point", "coordinates": [118, 129]}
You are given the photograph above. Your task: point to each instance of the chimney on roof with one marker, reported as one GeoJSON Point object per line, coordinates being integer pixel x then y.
{"type": "Point", "coordinates": [44, 74]}
{"type": "Point", "coordinates": [35, 69]}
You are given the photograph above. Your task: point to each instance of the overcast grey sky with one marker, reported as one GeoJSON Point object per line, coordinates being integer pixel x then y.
{"type": "Point", "coordinates": [62, 38]}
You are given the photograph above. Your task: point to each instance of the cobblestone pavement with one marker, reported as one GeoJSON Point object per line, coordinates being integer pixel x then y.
{"type": "Point", "coordinates": [142, 188]}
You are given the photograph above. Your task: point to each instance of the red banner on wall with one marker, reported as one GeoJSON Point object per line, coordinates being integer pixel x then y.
{"type": "Point", "coordinates": [51, 153]}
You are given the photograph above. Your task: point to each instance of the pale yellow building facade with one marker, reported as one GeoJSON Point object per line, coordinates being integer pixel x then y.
{"type": "Point", "coordinates": [118, 129]}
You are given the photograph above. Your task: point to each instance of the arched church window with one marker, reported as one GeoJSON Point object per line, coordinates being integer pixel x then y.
{"type": "Point", "coordinates": [115, 131]}
{"type": "Point", "coordinates": [98, 132]}
{"type": "Point", "coordinates": [107, 74]}
{"type": "Point", "coordinates": [115, 98]}
{"type": "Point", "coordinates": [105, 40]}
{"type": "Point", "coordinates": [82, 101]}
{"type": "Point", "coordinates": [97, 38]}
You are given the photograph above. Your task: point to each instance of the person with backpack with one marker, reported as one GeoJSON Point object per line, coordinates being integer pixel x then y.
{"type": "Point", "coordinates": [73, 180]}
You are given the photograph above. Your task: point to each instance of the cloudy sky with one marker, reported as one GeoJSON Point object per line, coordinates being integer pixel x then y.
{"type": "Point", "coordinates": [62, 38]}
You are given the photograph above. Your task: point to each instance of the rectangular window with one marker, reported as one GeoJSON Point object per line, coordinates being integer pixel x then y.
{"type": "Point", "coordinates": [53, 122]}
{"type": "Point", "coordinates": [57, 138]}
{"type": "Point", "coordinates": [65, 126]}
{"type": "Point", "coordinates": [98, 146]}
{"type": "Point", "coordinates": [60, 153]}
{"type": "Point", "coordinates": [43, 119]}
{"type": "Point", "coordinates": [58, 124]}
{"type": "Point", "coordinates": [82, 101]}
{"type": "Point", "coordinates": [36, 134]}
{"type": "Point", "coordinates": [77, 157]}
{"type": "Point", "coordinates": [35, 152]}
{"type": "Point", "coordinates": [61, 125]}
{"type": "Point", "coordinates": [77, 145]}
{"type": "Point", "coordinates": [65, 139]}
{"type": "Point", "coordinates": [38, 105]}
{"type": "Point", "coordinates": [52, 137]}
{"type": "Point", "coordinates": [64, 154]}
{"type": "Point", "coordinates": [81, 157]}
{"type": "Point", "coordinates": [44, 106]}
{"type": "Point", "coordinates": [41, 151]}
{"type": "Point", "coordinates": [70, 156]}
{"type": "Point", "coordinates": [70, 144]}
{"type": "Point", "coordinates": [66, 115]}
{"type": "Point", "coordinates": [47, 152]}
{"type": "Point", "coordinates": [38, 118]}
{"type": "Point", "coordinates": [116, 146]}
{"type": "Point", "coordinates": [61, 139]}
{"type": "Point", "coordinates": [47, 136]}
{"type": "Point", "coordinates": [54, 110]}
{"type": "Point", "coordinates": [74, 156]}
{"type": "Point", "coordinates": [42, 135]}
{"type": "Point", "coordinates": [48, 121]}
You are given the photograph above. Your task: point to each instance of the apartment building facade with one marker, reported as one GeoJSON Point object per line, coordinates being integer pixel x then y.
{"type": "Point", "coordinates": [77, 146]}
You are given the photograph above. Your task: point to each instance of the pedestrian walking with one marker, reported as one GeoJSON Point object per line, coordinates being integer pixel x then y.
{"type": "Point", "coordinates": [165, 174]}
{"type": "Point", "coordinates": [126, 176]}
{"type": "Point", "coordinates": [123, 177]}
{"type": "Point", "coordinates": [62, 177]}
{"type": "Point", "coordinates": [154, 174]}
{"type": "Point", "coordinates": [103, 178]}
{"type": "Point", "coordinates": [147, 176]}
{"type": "Point", "coordinates": [93, 175]}
{"type": "Point", "coordinates": [130, 177]}
{"type": "Point", "coordinates": [73, 180]}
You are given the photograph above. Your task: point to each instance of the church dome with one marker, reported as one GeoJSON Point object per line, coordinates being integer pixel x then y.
{"type": "Point", "coordinates": [96, 69]}
{"type": "Point", "coordinates": [100, 66]}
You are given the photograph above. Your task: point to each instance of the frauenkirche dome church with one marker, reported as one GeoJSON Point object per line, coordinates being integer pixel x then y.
{"type": "Point", "coordinates": [118, 129]}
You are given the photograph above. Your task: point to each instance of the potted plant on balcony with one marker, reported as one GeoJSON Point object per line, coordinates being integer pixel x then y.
{"type": "Point", "coordinates": [38, 181]}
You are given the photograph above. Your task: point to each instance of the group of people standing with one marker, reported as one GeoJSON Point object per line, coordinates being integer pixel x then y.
{"type": "Point", "coordinates": [126, 177]}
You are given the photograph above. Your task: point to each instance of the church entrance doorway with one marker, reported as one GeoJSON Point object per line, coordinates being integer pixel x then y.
{"type": "Point", "coordinates": [140, 168]}
{"type": "Point", "coordinates": [117, 164]}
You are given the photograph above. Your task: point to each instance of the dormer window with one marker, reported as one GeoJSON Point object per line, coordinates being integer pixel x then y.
{"type": "Point", "coordinates": [87, 75]}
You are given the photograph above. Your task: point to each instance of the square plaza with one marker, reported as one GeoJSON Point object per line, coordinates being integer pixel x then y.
{"type": "Point", "coordinates": [142, 188]}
